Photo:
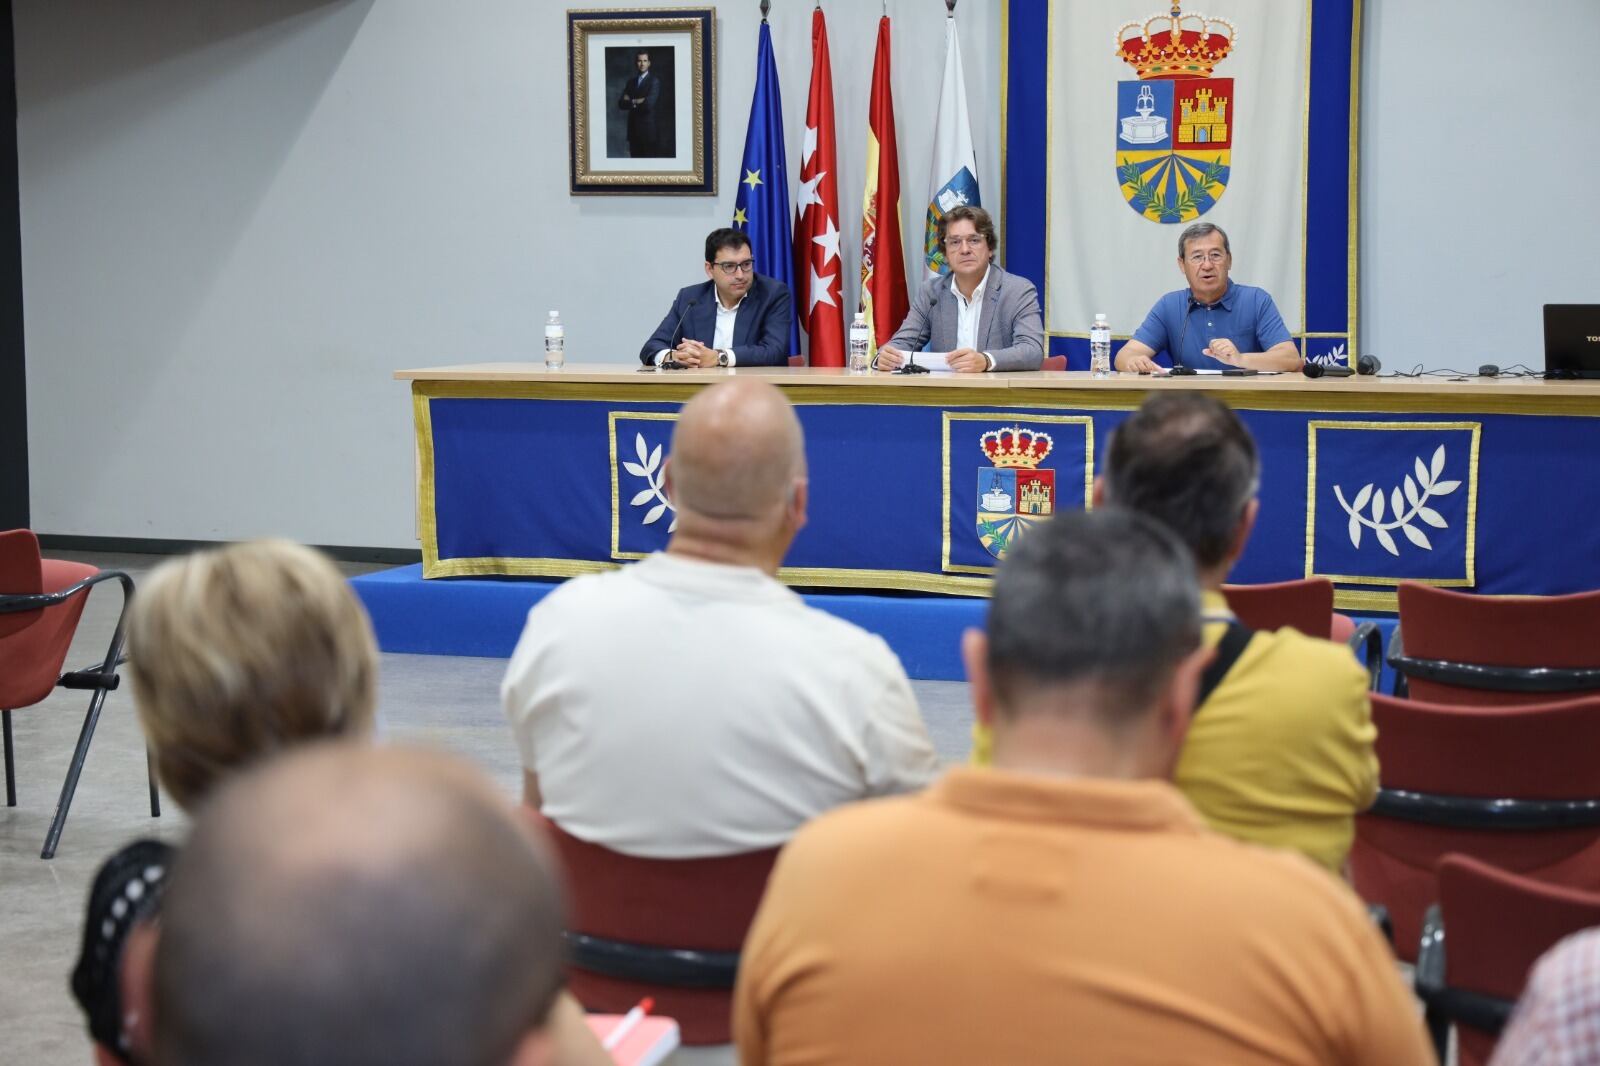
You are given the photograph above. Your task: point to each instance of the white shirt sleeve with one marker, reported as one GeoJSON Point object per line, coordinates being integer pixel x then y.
{"type": "Point", "coordinates": [900, 754]}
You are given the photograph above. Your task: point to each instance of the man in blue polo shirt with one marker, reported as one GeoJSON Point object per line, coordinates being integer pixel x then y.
{"type": "Point", "coordinates": [1215, 323]}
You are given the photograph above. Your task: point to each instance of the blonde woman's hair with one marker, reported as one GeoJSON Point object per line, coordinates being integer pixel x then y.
{"type": "Point", "coordinates": [238, 652]}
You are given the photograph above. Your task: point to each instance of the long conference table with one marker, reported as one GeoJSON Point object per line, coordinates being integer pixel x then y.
{"type": "Point", "coordinates": [921, 483]}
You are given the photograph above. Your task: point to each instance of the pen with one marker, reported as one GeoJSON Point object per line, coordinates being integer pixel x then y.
{"type": "Point", "coordinates": [629, 1022]}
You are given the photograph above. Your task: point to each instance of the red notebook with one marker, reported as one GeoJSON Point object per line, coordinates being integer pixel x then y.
{"type": "Point", "coordinates": [651, 1041]}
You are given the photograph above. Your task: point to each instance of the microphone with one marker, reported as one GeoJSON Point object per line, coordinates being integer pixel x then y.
{"type": "Point", "coordinates": [1317, 370]}
{"type": "Point", "coordinates": [669, 363]}
{"type": "Point", "coordinates": [1183, 335]}
{"type": "Point", "coordinates": [1368, 364]}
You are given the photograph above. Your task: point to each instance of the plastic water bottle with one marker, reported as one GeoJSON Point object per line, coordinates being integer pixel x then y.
{"type": "Point", "coordinates": [860, 341]}
{"type": "Point", "coordinates": [1100, 347]}
{"type": "Point", "coordinates": [555, 342]}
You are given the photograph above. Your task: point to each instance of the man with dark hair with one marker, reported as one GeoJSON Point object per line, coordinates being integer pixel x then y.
{"type": "Point", "coordinates": [1068, 904]}
{"type": "Point", "coordinates": [1281, 748]}
{"type": "Point", "coordinates": [982, 317]}
{"type": "Point", "coordinates": [345, 905]}
{"type": "Point", "coordinates": [640, 97]}
{"type": "Point", "coordinates": [735, 318]}
{"type": "Point", "coordinates": [1213, 324]}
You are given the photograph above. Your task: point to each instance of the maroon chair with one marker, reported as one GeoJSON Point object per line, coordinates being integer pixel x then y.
{"type": "Point", "coordinates": [1054, 362]}
{"type": "Point", "coordinates": [666, 928]}
{"type": "Point", "coordinates": [41, 601]}
{"type": "Point", "coordinates": [1518, 787]}
{"type": "Point", "coordinates": [1306, 604]}
{"type": "Point", "coordinates": [1463, 648]}
{"type": "Point", "coordinates": [1479, 944]}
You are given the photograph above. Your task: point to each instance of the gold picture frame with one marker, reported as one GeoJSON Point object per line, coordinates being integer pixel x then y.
{"type": "Point", "coordinates": [641, 101]}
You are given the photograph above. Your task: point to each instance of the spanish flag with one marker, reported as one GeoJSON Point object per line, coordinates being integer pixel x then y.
{"type": "Point", "coordinates": [883, 265]}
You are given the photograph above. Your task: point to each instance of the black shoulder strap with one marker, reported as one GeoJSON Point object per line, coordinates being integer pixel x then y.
{"type": "Point", "coordinates": [1229, 648]}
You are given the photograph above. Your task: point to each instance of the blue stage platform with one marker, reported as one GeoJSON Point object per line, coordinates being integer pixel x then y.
{"type": "Point", "coordinates": [483, 616]}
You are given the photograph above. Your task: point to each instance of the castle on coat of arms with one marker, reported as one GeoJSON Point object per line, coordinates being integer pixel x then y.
{"type": "Point", "coordinates": [1035, 498]}
{"type": "Point", "coordinates": [1202, 120]}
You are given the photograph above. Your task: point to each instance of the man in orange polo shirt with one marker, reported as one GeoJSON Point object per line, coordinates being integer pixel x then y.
{"type": "Point", "coordinates": [1067, 904]}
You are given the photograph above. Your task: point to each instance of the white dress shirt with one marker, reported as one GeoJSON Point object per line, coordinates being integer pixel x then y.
{"type": "Point", "coordinates": [968, 314]}
{"type": "Point", "coordinates": [722, 339]}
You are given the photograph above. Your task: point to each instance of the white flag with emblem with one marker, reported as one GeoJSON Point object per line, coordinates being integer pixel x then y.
{"type": "Point", "coordinates": [954, 178]}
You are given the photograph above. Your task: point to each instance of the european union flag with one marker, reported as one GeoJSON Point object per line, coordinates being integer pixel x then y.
{"type": "Point", "coordinates": [762, 209]}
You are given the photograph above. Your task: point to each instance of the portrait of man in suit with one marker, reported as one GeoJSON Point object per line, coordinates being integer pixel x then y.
{"type": "Point", "coordinates": [641, 126]}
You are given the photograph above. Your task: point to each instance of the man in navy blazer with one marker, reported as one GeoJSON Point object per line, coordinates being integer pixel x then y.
{"type": "Point", "coordinates": [736, 318]}
{"type": "Point", "coordinates": [980, 316]}
{"type": "Point", "coordinates": [640, 96]}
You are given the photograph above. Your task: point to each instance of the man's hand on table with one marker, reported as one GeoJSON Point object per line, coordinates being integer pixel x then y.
{"type": "Point", "coordinates": [1141, 364]}
{"type": "Point", "coordinates": [1225, 351]}
{"type": "Point", "coordinates": [967, 361]}
{"type": "Point", "coordinates": [890, 358]}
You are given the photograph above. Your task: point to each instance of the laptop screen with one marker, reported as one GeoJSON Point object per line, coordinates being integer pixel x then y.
{"type": "Point", "coordinates": [1572, 338]}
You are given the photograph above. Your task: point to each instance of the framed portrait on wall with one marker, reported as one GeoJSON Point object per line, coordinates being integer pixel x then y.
{"type": "Point", "coordinates": [641, 101]}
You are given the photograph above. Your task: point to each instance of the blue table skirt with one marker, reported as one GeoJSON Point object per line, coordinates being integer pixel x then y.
{"type": "Point", "coordinates": [923, 489]}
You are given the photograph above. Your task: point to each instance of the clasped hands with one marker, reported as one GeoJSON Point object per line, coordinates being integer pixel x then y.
{"type": "Point", "coordinates": [692, 353]}
{"type": "Point", "coordinates": [963, 360]}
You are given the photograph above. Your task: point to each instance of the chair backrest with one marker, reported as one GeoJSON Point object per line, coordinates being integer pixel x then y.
{"type": "Point", "coordinates": [1305, 604]}
{"type": "Point", "coordinates": [1515, 786]}
{"type": "Point", "coordinates": [1054, 362]}
{"type": "Point", "coordinates": [21, 574]}
{"type": "Point", "coordinates": [700, 904]}
{"type": "Point", "coordinates": [1497, 924]}
{"type": "Point", "coordinates": [1489, 631]}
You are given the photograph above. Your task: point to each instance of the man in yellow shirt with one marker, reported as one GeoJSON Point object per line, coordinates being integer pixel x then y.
{"type": "Point", "coordinates": [1280, 750]}
{"type": "Point", "coordinates": [1067, 905]}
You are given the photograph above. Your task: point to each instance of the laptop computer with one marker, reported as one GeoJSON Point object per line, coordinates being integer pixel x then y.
{"type": "Point", "coordinates": [1572, 340]}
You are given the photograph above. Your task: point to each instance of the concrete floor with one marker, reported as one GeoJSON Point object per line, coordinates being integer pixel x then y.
{"type": "Point", "coordinates": [451, 703]}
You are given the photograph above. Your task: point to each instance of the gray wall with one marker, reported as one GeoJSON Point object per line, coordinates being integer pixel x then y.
{"type": "Point", "coordinates": [239, 216]}
{"type": "Point", "coordinates": [1478, 165]}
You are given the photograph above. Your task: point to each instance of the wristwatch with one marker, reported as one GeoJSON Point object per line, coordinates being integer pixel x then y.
{"type": "Point", "coordinates": [722, 358]}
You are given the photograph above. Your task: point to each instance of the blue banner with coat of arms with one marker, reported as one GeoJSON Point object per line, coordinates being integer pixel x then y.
{"type": "Point", "coordinates": [1232, 112]}
{"type": "Point", "coordinates": [931, 498]}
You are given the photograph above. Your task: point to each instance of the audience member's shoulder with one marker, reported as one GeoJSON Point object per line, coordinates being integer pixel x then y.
{"type": "Point", "coordinates": [1307, 662]}
{"type": "Point", "coordinates": [841, 634]}
{"type": "Point", "coordinates": [1272, 885]}
{"type": "Point", "coordinates": [854, 838]}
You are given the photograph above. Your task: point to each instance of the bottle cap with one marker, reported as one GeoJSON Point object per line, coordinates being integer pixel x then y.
{"type": "Point", "coordinates": [861, 316]}
{"type": "Point", "coordinates": [555, 314]}
{"type": "Point", "coordinates": [1099, 318]}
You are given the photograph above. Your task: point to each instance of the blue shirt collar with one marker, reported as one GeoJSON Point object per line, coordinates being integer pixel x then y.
{"type": "Point", "coordinates": [1225, 301]}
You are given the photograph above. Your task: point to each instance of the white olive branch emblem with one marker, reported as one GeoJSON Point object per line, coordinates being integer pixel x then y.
{"type": "Point", "coordinates": [649, 468]}
{"type": "Point", "coordinates": [1417, 493]}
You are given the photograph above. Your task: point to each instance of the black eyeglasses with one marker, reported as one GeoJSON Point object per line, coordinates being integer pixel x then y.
{"type": "Point", "coordinates": [744, 266]}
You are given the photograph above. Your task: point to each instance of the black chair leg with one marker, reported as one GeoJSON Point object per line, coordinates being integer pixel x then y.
{"type": "Point", "coordinates": [1438, 1024]}
{"type": "Point", "coordinates": [11, 783]}
{"type": "Point", "coordinates": [155, 793]}
{"type": "Point", "coordinates": [70, 786]}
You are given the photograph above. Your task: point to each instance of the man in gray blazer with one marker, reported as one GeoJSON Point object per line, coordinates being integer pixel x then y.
{"type": "Point", "coordinates": [983, 317]}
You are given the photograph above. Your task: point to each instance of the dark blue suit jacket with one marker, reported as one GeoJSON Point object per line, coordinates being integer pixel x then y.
{"type": "Point", "coordinates": [760, 330]}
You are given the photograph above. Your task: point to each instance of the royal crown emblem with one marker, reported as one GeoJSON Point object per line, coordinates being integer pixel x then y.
{"type": "Point", "coordinates": [1175, 45]}
{"type": "Point", "coordinates": [1013, 492]}
{"type": "Point", "coordinates": [1176, 122]}
{"type": "Point", "coordinates": [1014, 447]}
